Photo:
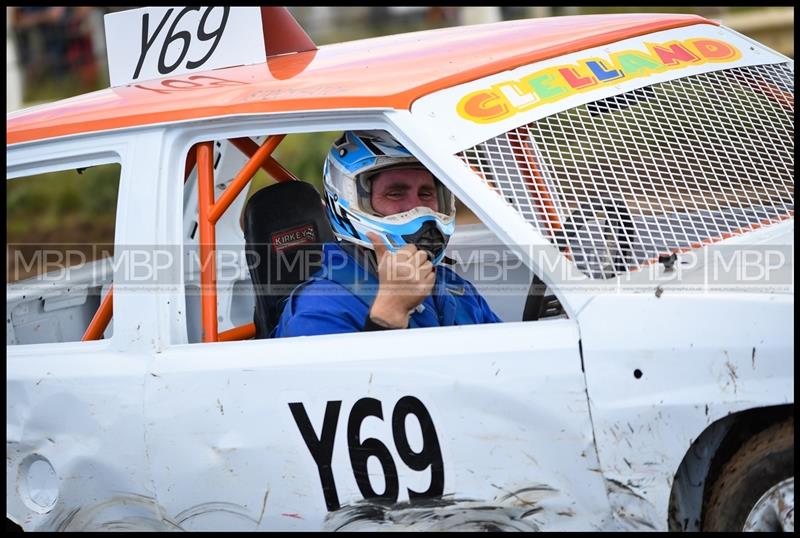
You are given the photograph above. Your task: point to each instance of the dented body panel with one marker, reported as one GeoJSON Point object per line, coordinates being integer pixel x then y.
{"type": "Point", "coordinates": [673, 380]}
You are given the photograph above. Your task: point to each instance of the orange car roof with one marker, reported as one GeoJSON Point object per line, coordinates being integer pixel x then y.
{"type": "Point", "coordinates": [382, 72]}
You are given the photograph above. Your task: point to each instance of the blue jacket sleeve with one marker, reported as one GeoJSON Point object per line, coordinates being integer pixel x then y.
{"type": "Point", "coordinates": [487, 315]}
{"type": "Point", "coordinates": [321, 307]}
{"type": "Point", "coordinates": [472, 303]}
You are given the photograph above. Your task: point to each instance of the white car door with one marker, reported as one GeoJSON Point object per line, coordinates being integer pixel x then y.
{"type": "Point", "coordinates": [478, 427]}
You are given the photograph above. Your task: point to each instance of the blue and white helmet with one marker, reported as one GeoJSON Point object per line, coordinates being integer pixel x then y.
{"type": "Point", "coordinates": [352, 161]}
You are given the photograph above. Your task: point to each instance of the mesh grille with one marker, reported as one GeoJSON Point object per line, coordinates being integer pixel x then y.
{"type": "Point", "coordinates": [665, 168]}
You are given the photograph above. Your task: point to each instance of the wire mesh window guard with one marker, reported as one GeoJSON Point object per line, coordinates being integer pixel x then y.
{"type": "Point", "coordinates": [664, 168]}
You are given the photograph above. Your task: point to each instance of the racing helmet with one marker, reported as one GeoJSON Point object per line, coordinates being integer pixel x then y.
{"type": "Point", "coordinates": [353, 160]}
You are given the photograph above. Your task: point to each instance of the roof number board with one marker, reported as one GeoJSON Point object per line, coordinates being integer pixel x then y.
{"type": "Point", "coordinates": [156, 42]}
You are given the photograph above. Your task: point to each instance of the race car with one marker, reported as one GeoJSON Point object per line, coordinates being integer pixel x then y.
{"type": "Point", "coordinates": [633, 179]}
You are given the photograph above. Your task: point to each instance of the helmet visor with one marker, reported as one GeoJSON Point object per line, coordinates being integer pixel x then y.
{"type": "Point", "coordinates": [444, 198]}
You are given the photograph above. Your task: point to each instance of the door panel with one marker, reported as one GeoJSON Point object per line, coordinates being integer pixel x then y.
{"type": "Point", "coordinates": [489, 423]}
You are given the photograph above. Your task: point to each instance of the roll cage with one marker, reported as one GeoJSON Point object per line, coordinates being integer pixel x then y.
{"type": "Point", "coordinates": [201, 157]}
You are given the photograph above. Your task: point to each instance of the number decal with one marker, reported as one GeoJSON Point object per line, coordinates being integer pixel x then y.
{"type": "Point", "coordinates": [217, 34]}
{"type": "Point", "coordinates": [431, 454]}
{"type": "Point", "coordinates": [360, 451]}
{"type": "Point", "coordinates": [184, 36]}
{"type": "Point", "coordinates": [321, 448]}
{"type": "Point", "coordinates": [147, 43]}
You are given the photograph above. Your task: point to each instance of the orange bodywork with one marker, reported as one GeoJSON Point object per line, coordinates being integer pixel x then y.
{"type": "Point", "coordinates": [385, 72]}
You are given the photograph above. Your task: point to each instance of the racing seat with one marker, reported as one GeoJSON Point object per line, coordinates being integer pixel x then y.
{"type": "Point", "coordinates": [285, 226]}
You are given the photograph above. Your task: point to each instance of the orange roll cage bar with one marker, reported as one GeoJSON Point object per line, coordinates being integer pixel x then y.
{"type": "Point", "coordinates": [209, 212]}
{"type": "Point", "coordinates": [101, 318]}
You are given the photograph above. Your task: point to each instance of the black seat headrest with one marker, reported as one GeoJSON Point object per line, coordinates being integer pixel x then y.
{"type": "Point", "coordinates": [285, 226]}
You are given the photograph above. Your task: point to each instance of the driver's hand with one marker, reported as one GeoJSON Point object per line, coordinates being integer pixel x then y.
{"type": "Point", "coordinates": [406, 278]}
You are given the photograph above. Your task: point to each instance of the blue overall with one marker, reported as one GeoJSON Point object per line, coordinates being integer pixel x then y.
{"type": "Point", "coordinates": [337, 299]}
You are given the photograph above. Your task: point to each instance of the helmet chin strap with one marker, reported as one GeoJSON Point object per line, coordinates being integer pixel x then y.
{"type": "Point", "coordinates": [429, 239]}
{"type": "Point", "coordinates": [366, 256]}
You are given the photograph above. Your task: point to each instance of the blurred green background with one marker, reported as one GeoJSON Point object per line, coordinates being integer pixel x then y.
{"type": "Point", "coordinates": [56, 53]}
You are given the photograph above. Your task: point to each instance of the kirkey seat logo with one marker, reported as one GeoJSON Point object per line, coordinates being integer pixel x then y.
{"type": "Point", "coordinates": [507, 98]}
{"type": "Point", "coordinates": [293, 237]}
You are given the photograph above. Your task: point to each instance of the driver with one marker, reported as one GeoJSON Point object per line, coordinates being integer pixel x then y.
{"type": "Point", "coordinates": [394, 220]}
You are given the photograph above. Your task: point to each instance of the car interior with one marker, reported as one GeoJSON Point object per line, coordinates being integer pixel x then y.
{"type": "Point", "coordinates": [296, 207]}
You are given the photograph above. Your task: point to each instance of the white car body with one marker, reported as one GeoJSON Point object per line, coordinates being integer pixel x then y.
{"type": "Point", "coordinates": [607, 417]}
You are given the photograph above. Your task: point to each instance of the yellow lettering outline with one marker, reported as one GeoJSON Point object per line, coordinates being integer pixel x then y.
{"type": "Point", "coordinates": [668, 45]}
{"type": "Point", "coordinates": [462, 105]}
{"type": "Point", "coordinates": [732, 58]}
{"type": "Point", "coordinates": [522, 87]}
